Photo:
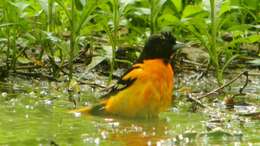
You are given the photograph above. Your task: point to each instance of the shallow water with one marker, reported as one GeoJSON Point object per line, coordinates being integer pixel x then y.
{"type": "Point", "coordinates": [35, 113]}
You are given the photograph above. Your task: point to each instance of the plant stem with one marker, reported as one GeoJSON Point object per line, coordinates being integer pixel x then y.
{"type": "Point", "coordinates": [72, 41]}
{"type": "Point", "coordinates": [49, 43]}
{"type": "Point", "coordinates": [8, 32]}
{"type": "Point", "coordinates": [114, 39]}
{"type": "Point", "coordinates": [214, 54]}
{"type": "Point", "coordinates": [151, 16]}
{"type": "Point", "coordinates": [154, 4]}
{"type": "Point", "coordinates": [50, 6]}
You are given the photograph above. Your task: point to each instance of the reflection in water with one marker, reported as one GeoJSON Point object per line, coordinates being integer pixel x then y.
{"type": "Point", "coordinates": [139, 132]}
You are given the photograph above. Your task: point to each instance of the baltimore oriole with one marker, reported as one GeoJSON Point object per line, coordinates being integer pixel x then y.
{"type": "Point", "coordinates": [146, 89]}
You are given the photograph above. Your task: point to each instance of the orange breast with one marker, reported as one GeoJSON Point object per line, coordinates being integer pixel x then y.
{"type": "Point", "coordinates": [150, 93]}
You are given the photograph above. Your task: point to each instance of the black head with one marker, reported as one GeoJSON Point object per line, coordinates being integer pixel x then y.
{"type": "Point", "coordinates": [159, 46]}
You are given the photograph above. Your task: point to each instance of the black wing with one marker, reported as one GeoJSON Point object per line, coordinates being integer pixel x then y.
{"type": "Point", "coordinates": [121, 84]}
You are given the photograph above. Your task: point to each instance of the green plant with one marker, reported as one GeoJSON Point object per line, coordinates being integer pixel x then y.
{"type": "Point", "coordinates": [176, 15]}
{"type": "Point", "coordinates": [209, 35]}
{"type": "Point", "coordinates": [52, 30]}
{"type": "Point", "coordinates": [206, 21]}
{"type": "Point", "coordinates": [212, 48]}
{"type": "Point", "coordinates": [226, 18]}
{"type": "Point", "coordinates": [155, 9]}
{"type": "Point", "coordinates": [112, 8]}
{"type": "Point", "coordinates": [78, 16]}
{"type": "Point", "coordinates": [12, 27]}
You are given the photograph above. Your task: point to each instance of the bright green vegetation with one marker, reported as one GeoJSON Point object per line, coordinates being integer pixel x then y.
{"type": "Point", "coordinates": [57, 54]}
{"type": "Point", "coordinates": [54, 34]}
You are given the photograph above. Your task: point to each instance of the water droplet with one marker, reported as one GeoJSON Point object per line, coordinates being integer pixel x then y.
{"type": "Point", "coordinates": [114, 124]}
{"type": "Point", "coordinates": [43, 93]}
{"type": "Point", "coordinates": [32, 94]}
{"type": "Point", "coordinates": [97, 141]}
{"type": "Point", "coordinates": [158, 143]}
{"type": "Point", "coordinates": [180, 137]}
{"type": "Point", "coordinates": [237, 144]}
{"type": "Point", "coordinates": [104, 134]}
{"type": "Point", "coordinates": [4, 94]}
{"type": "Point", "coordinates": [48, 102]}
{"type": "Point", "coordinates": [109, 119]}
{"type": "Point", "coordinates": [167, 119]}
{"type": "Point", "coordinates": [149, 143]}
{"type": "Point", "coordinates": [15, 87]}
{"type": "Point", "coordinates": [186, 140]}
{"type": "Point", "coordinates": [77, 114]}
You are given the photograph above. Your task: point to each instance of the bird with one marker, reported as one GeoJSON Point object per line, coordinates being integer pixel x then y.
{"type": "Point", "coordinates": [146, 88]}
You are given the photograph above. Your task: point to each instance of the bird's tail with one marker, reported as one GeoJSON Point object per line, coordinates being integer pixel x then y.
{"type": "Point", "coordinates": [84, 110]}
{"type": "Point", "coordinates": [98, 109]}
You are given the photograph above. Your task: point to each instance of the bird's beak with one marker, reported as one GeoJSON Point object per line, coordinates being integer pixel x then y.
{"type": "Point", "coordinates": [177, 46]}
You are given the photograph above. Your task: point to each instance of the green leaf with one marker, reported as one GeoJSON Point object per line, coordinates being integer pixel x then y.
{"type": "Point", "coordinates": [239, 27]}
{"type": "Point", "coordinates": [23, 60]}
{"type": "Point", "coordinates": [108, 52]}
{"type": "Point", "coordinates": [168, 19]}
{"type": "Point", "coordinates": [63, 6]}
{"type": "Point", "coordinates": [224, 8]}
{"type": "Point", "coordinates": [253, 4]}
{"type": "Point", "coordinates": [235, 2]}
{"type": "Point", "coordinates": [83, 2]}
{"type": "Point", "coordinates": [251, 39]}
{"type": "Point", "coordinates": [177, 4]}
{"type": "Point", "coordinates": [228, 62]}
{"type": "Point", "coordinates": [50, 36]}
{"type": "Point", "coordinates": [44, 5]}
{"type": "Point", "coordinates": [20, 5]}
{"type": "Point", "coordinates": [191, 11]}
{"type": "Point", "coordinates": [79, 5]}
{"type": "Point", "coordinates": [173, 5]}
{"type": "Point", "coordinates": [86, 14]}
{"type": "Point", "coordinates": [94, 62]}
{"type": "Point", "coordinates": [7, 24]}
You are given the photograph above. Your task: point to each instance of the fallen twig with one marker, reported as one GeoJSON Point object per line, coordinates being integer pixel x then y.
{"type": "Point", "coordinates": [193, 63]}
{"type": "Point", "coordinates": [242, 88]}
{"type": "Point", "coordinates": [189, 96]}
{"type": "Point", "coordinates": [227, 84]}
{"type": "Point", "coordinates": [91, 84]}
{"type": "Point", "coordinates": [246, 82]}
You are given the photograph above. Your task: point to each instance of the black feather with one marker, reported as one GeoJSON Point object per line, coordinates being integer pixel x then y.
{"type": "Point", "coordinates": [158, 46]}
{"type": "Point", "coordinates": [121, 84]}
{"type": "Point", "coordinates": [97, 109]}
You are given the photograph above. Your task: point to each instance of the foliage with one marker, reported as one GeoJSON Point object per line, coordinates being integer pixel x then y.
{"type": "Point", "coordinates": [53, 34]}
{"type": "Point", "coordinates": [208, 21]}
